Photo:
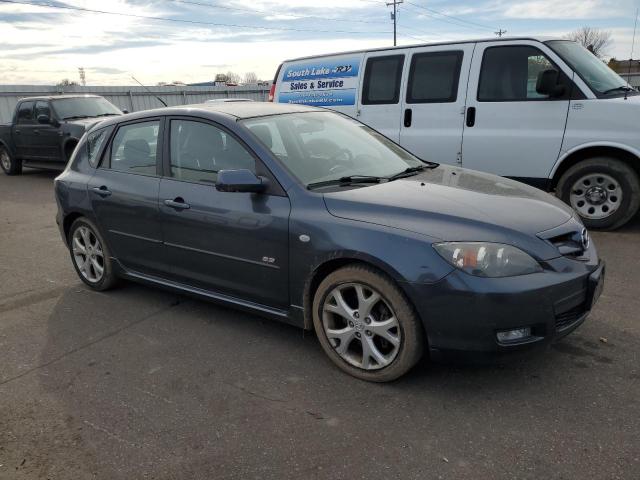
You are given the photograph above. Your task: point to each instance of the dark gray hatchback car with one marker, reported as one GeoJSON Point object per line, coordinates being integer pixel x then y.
{"type": "Point", "coordinates": [312, 218]}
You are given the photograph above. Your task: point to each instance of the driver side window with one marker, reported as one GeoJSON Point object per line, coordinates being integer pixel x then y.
{"type": "Point", "coordinates": [200, 150]}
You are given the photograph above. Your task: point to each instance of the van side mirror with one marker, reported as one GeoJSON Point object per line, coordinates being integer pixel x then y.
{"type": "Point", "coordinates": [44, 119]}
{"type": "Point", "coordinates": [548, 83]}
{"type": "Point", "coordinates": [240, 181]}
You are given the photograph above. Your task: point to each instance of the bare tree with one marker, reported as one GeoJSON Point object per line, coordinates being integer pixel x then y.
{"type": "Point", "coordinates": [233, 77]}
{"type": "Point", "coordinates": [250, 78]}
{"type": "Point", "coordinates": [65, 82]}
{"type": "Point", "coordinates": [595, 40]}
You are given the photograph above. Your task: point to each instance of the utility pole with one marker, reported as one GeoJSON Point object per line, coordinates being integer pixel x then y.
{"type": "Point", "coordinates": [83, 77]}
{"type": "Point", "coordinates": [500, 32]}
{"type": "Point", "coordinates": [394, 16]}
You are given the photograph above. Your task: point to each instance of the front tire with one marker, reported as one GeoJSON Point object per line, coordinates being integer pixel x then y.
{"type": "Point", "coordinates": [90, 255]}
{"type": "Point", "coordinates": [604, 191]}
{"type": "Point", "coordinates": [366, 325]}
{"type": "Point", "coordinates": [9, 164]}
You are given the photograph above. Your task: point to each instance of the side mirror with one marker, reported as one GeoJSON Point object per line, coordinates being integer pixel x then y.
{"type": "Point", "coordinates": [240, 181]}
{"type": "Point", "coordinates": [547, 83]}
{"type": "Point", "coordinates": [44, 119]}
{"type": "Point", "coordinates": [125, 111]}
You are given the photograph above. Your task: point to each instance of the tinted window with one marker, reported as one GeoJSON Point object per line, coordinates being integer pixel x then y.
{"type": "Point", "coordinates": [200, 150]}
{"type": "Point", "coordinates": [134, 148]}
{"type": "Point", "coordinates": [382, 80]}
{"type": "Point", "coordinates": [25, 113]}
{"type": "Point", "coordinates": [42, 108]}
{"type": "Point", "coordinates": [433, 77]}
{"type": "Point", "coordinates": [95, 142]}
{"type": "Point", "coordinates": [511, 73]}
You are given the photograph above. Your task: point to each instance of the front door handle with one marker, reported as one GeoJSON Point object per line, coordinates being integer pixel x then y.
{"type": "Point", "coordinates": [471, 116]}
{"type": "Point", "coordinates": [408, 115]}
{"type": "Point", "coordinates": [178, 203]}
{"type": "Point", "coordinates": [103, 191]}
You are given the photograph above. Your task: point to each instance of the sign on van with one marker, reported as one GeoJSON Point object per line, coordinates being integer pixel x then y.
{"type": "Point", "coordinates": [321, 82]}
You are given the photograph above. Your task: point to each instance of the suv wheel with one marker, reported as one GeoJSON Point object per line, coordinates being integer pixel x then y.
{"type": "Point", "coordinates": [366, 325]}
{"type": "Point", "coordinates": [90, 255]}
{"type": "Point", "coordinates": [604, 191]}
{"type": "Point", "coordinates": [9, 164]}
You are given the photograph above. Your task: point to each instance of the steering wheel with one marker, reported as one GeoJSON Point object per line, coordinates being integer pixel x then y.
{"type": "Point", "coordinates": [348, 160]}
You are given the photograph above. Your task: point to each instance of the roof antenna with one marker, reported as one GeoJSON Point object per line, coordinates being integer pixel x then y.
{"type": "Point", "coordinates": [633, 44]}
{"type": "Point", "coordinates": [147, 89]}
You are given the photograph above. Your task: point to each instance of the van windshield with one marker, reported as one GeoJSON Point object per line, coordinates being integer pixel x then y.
{"type": "Point", "coordinates": [600, 78]}
{"type": "Point", "coordinates": [320, 147]}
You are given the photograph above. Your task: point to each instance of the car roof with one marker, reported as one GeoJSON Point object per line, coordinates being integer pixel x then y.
{"type": "Point", "coordinates": [57, 97]}
{"type": "Point", "coordinates": [433, 44]}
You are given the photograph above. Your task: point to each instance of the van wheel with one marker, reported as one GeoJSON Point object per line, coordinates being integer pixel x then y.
{"type": "Point", "coordinates": [10, 165]}
{"type": "Point", "coordinates": [604, 191]}
{"type": "Point", "coordinates": [366, 325]}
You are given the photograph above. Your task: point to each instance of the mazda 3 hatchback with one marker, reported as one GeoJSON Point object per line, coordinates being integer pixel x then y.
{"type": "Point", "coordinates": [312, 218]}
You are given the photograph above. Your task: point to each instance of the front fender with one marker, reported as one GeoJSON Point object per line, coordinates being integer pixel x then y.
{"type": "Point", "coordinates": [584, 146]}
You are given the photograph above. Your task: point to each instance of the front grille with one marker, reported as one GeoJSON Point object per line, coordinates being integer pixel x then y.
{"type": "Point", "coordinates": [569, 244]}
{"type": "Point", "coordinates": [566, 319]}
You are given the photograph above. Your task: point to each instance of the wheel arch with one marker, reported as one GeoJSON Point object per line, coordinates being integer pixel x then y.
{"type": "Point", "coordinates": [69, 146]}
{"type": "Point", "coordinates": [68, 220]}
{"type": "Point", "coordinates": [623, 153]}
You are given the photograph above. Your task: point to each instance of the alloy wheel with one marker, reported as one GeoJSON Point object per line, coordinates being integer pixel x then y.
{"type": "Point", "coordinates": [88, 254]}
{"type": "Point", "coordinates": [596, 196]}
{"type": "Point", "coordinates": [361, 326]}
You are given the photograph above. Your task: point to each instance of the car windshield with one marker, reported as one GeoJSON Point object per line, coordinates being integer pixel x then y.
{"type": "Point", "coordinates": [593, 71]}
{"type": "Point", "coordinates": [325, 146]}
{"type": "Point", "coordinates": [83, 107]}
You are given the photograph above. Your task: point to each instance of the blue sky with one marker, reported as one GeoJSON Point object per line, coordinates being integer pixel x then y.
{"type": "Point", "coordinates": [44, 45]}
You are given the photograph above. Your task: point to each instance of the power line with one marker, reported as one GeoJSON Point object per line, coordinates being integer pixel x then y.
{"type": "Point", "coordinates": [177, 20]}
{"type": "Point", "coordinates": [457, 19]}
{"type": "Point", "coordinates": [500, 32]}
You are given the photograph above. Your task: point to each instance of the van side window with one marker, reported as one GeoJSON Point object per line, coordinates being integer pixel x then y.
{"type": "Point", "coordinates": [433, 77]}
{"type": "Point", "coordinates": [510, 73]}
{"type": "Point", "coordinates": [382, 77]}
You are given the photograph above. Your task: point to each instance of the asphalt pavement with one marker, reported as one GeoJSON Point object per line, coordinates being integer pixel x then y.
{"type": "Point", "coordinates": [138, 383]}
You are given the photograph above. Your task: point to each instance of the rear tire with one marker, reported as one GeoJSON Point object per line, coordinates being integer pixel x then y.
{"type": "Point", "coordinates": [366, 325]}
{"type": "Point", "coordinates": [90, 255]}
{"type": "Point", "coordinates": [9, 164]}
{"type": "Point", "coordinates": [604, 191]}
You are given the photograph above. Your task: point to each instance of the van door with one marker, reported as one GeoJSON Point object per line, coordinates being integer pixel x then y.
{"type": "Point", "coordinates": [379, 104]}
{"type": "Point", "coordinates": [511, 129]}
{"type": "Point", "coordinates": [434, 101]}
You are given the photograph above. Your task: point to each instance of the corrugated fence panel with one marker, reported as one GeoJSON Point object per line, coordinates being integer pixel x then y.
{"type": "Point", "coordinates": [132, 99]}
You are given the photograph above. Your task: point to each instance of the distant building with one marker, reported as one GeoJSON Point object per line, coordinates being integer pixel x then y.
{"type": "Point", "coordinates": [627, 69]}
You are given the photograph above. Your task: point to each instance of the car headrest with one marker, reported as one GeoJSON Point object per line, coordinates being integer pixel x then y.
{"type": "Point", "coordinates": [263, 133]}
{"type": "Point", "coordinates": [137, 149]}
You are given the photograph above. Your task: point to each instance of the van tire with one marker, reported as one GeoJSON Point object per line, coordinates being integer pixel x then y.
{"type": "Point", "coordinates": [601, 177]}
{"type": "Point", "coordinates": [9, 164]}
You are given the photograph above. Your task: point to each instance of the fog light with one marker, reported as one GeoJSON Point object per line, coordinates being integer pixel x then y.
{"type": "Point", "coordinates": [514, 335]}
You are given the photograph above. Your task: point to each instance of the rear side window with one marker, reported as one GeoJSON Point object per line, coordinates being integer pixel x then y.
{"type": "Point", "coordinates": [382, 77]}
{"type": "Point", "coordinates": [200, 150]}
{"type": "Point", "coordinates": [135, 147]}
{"type": "Point", "coordinates": [25, 112]}
{"type": "Point", "coordinates": [433, 77]}
{"type": "Point", "coordinates": [95, 142]}
{"type": "Point", "coordinates": [510, 73]}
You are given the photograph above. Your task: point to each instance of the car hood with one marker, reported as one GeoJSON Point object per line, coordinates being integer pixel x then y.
{"type": "Point", "coordinates": [455, 204]}
{"type": "Point", "coordinates": [86, 123]}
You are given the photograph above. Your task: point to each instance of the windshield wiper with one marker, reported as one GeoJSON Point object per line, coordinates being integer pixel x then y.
{"type": "Point", "coordinates": [349, 180]}
{"type": "Point", "coordinates": [76, 117]}
{"type": "Point", "coordinates": [622, 88]}
{"type": "Point", "coordinates": [106, 115]}
{"type": "Point", "coordinates": [408, 172]}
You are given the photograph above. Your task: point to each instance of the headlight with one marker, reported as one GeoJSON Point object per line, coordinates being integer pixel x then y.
{"type": "Point", "coordinates": [487, 259]}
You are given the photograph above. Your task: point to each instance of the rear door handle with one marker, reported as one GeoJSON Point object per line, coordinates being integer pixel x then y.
{"type": "Point", "coordinates": [102, 191]}
{"type": "Point", "coordinates": [408, 115]}
{"type": "Point", "coordinates": [471, 116]}
{"type": "Point", "coordinates": [178, 203]}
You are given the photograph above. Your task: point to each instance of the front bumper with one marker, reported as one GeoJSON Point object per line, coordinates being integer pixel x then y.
{"type": "Point", "coordinates": [463, 313]}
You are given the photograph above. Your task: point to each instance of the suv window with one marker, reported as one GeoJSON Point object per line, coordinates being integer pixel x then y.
{"type": "Point", "coordinates": [200, 150]}
{"type": "Point", "coordinates": [433, 77]}
{"type": "Point", "coordinates": [25, 112]}
{"type": "Point", "coordinates": [382, 77]}
{"type": "Point", "coordinates": [510, 73]}
{"type": "Point", "coordinates": [42, 108]}
{"type": "Point", "coordinates": [134, 148]}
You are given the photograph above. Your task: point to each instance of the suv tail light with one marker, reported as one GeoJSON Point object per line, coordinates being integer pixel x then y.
{"type": "Point", "coordinates": [272, 92]}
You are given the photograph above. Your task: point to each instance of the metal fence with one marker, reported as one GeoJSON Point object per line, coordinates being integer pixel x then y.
{"type": "Point", "coordinates": [130, 98]}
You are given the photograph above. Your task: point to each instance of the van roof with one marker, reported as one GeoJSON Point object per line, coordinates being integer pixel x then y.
{"type": "Point", "coordinates": [401, 47]}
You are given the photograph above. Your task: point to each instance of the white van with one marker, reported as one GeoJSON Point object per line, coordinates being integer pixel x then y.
{"type": "Point", "coordinates": [543, 111]}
